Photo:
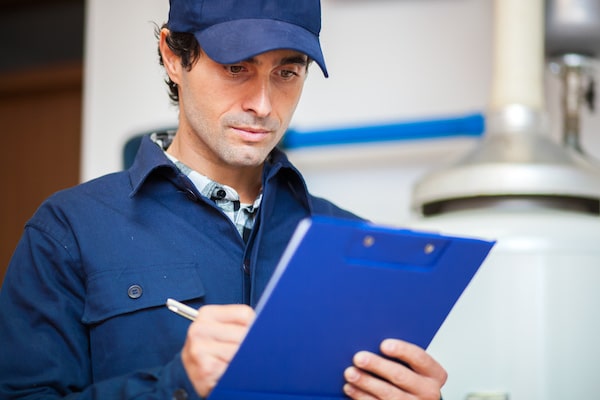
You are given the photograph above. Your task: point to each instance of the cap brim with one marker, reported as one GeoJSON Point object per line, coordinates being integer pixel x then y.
{"type": "Point", "coordinates": [234, 41]}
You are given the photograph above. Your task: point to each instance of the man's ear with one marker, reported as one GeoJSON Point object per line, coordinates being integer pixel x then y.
{"type": "Point", "coordinates": [171, 61]}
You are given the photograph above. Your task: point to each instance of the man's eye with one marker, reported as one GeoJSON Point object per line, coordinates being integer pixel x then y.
{"type": "Point", "coordinates": [286, 73]}
{"type": "Point", "coordinates": [235, 69]}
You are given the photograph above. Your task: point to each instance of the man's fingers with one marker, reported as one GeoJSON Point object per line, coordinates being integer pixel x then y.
{"type": "Point", "coordinates": [365, 386]}
{"type": "Point", "coordinates": [212, 340]}
{"type": "Point", "coordinates": [418, 360]}
{"type": "Point", "coordinates": [228, 313]}
{"type": "Point", "coordinates": [405, 371]}
{"type": "Point", "coordinates": [222, 323]}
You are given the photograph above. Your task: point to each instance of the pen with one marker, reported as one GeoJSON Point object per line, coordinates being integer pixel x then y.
{"type": "Point", "coordinates": [181, 309]}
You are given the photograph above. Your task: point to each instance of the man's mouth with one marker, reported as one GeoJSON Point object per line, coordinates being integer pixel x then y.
{"type": "Point", "coordinates": [251, 134]}
{"type": "Point", "coordinates": [251, 129]}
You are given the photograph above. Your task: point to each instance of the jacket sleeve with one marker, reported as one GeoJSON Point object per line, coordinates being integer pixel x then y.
{"type": "Point", "coordinates": [45, 351]}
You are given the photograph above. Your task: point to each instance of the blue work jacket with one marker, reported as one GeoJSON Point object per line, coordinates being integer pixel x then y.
{"type": "Point", "coordinates": [83, 303]}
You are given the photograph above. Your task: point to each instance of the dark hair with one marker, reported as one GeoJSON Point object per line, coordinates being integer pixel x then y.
{"type": "Point", "coordinates": [187, 48]}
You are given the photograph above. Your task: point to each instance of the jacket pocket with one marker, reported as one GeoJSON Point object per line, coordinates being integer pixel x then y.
{"type": "Point", "coordinates": [130, 289]}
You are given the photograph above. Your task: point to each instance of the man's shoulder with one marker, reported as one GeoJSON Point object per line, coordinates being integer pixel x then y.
{"type": "Point", "coordinates": [82, 197]}
{"type": "Point", "coordinates": [79, 203]}
{"type": "Point", "coordinates": [322, 206]}
{"type": "Point", "coordinates": [111, 184]}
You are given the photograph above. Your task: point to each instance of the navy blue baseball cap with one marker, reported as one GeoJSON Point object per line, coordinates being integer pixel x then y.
{"type": "Point", "coordinates": [230, 31]}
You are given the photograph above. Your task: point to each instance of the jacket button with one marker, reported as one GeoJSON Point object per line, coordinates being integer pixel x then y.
{"type": "Point", "coordinates": [246, 267]}
{"type": "Point", "coordinates": [180, 394]}
{"type": "Point", "coordinates": [134, 292]}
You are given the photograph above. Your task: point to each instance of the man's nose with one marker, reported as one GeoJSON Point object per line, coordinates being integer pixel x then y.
{"type": "Point", "coordinates": [258, 98]}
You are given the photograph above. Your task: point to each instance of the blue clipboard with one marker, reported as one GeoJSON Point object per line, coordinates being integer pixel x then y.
{"type": "Point", "coordinates": [343, 286]}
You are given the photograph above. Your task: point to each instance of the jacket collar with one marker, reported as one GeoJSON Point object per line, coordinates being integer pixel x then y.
{"type": "Point", "coordinates": [150, 159]}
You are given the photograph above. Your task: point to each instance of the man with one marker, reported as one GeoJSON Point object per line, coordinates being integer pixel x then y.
{"type": "Point", "coordinates": [202, 216]}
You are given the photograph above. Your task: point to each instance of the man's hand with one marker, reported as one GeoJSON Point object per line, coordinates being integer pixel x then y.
{"type": "Point", "coordinates": [375, 377]}
{"type": "Point", "coordinates": [212, 340]}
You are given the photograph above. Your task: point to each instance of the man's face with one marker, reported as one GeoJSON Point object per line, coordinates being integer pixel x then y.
{"type": "Point", "coordinates": [234, 115]}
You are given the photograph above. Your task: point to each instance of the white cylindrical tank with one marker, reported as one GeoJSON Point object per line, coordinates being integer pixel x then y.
{"type": "Point", "coordinates": [528, 325]}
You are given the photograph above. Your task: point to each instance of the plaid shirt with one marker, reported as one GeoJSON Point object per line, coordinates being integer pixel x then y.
{"type": "Point", "coordinates": [225, 197]}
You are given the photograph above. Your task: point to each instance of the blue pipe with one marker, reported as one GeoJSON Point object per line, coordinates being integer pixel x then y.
{"type": "Point", "coordinates": [469, 125]}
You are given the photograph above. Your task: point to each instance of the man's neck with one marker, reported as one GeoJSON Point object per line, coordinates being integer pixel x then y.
{"type": "Point", "coordinates": [247, 181]}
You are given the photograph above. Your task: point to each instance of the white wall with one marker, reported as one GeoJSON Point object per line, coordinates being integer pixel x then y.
{"type": "Point", "coordinates": [389, 61]}
{"type": "Point", "coordinates": [124, 92]}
